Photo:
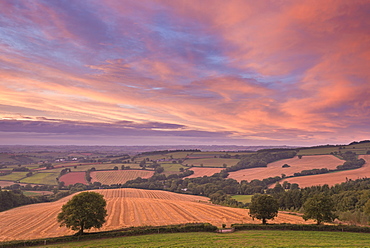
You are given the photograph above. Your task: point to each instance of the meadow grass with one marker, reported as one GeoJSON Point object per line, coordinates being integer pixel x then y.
{"type": "Point", "coordinates": [170, 168]}
{"type": "Point", "coordinates": [42, 178]}
{"type": "Point", "coordinates": [251, 238]}
{"type": "Point", "coordinates": [14, 176]}
{"type": "Point", "coordinates": [212, 162]}
{"type": "Point", "coordinates": [243, 198]}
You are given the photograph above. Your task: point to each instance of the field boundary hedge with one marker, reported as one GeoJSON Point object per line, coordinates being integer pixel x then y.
{"type": "Point", "coordinates": [132, 231]}
{"type": "Point", "coordinates": [303, 227]}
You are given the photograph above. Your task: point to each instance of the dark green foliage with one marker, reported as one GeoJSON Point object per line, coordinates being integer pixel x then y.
{"type": "Point", "coordinates": [320, 207]}
{"type": "Point", "coordinates": [159, 169]}
{"type": "Point", "coordinates": [260, 159]}
{"type": "Point", "coordinates": [21, 169]}
{"type": "Point", "coordinates": [351, 164]}
{"type": "Point", "coordinates": [14, 198]}
{"type": "Point", "coordinates": [83, 211]}
{"type": "Point", "coordinates": [311, 172]}
{"type": "Point", "coordinates": [263, 207]}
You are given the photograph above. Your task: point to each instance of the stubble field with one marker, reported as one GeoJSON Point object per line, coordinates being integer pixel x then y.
{"type": "Point", "coordinates": [335, 177]}
{"type": "Point", "coordinates": [296, 165]}
{"type": "Point", "coordinates": [127, 207]}
{"type": "Point", "coordinates": [200, 172]}
{"type": "Point", "coordinates": [118, 176]}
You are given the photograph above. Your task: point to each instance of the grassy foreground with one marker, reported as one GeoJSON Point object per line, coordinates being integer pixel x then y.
{"type": "Point", "coordinates": [255, 238]}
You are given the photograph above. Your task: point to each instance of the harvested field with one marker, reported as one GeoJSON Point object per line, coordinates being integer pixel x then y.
{"type": "Point", "coordinates": [199, 171]}
{"type": "Point", "coordinates": [118, 176]}
{"type": "Point", "coordinates": [296, 165]}
{"type": "Point", "coordinates": [335, 177]}
{"type": "Point", "coordinates": [127, 207]}
{"type": "Point", "coordinates": [73, 177]}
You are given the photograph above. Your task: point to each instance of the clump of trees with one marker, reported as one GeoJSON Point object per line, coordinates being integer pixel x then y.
{"type": "Point", "coordinates": [320, 208]}
{"type": "Point", "coordinates": [260, 159]}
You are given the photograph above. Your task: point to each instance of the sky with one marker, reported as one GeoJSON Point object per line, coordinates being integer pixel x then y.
{"type": "Point", "coordinates": [184, 72]}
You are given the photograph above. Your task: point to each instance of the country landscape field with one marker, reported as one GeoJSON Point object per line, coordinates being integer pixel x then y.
{"type": "Point", "coordinates": [296, 164]}
{"type": "Point", "coordinates": [335, 177]}
{"type": "Point", "coordinates": [127, 207]}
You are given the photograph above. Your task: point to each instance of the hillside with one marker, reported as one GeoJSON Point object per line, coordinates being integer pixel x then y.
{"type": "Point", "coordinates": [335, 177]}
{"type": "Point", "coordinates": [127, 207]}
{"type": "Point", "coordinates": [296, 165]}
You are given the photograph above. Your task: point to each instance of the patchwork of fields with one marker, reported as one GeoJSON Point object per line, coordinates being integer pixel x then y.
{"type": "Point", "coordinates": [335, 177]}
{"type": "Point", "coordinates": [296, 165]}
{"type": "Point", "coordinates": [127, 207]}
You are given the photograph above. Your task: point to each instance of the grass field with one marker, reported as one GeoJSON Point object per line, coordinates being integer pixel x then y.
{"type": "Point", "coordinates": [42, 178]}
{"type": "Point", "coordinates": [212, 162]}
{"type": "Point", "coordinates": [360, 149]}
{"type": "Point", "coordinates": [170, 168]}
{"type": "Point", "coordinates": [236, 239]}
{"type": "Point", "coordinates": [14, 176]}
{"type": "Point", "coordinates": [243, 198]}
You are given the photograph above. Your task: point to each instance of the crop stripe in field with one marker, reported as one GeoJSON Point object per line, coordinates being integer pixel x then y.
{"type": "Point", "coordinates": [180, 211]}
{"type": "Point", "coordinates": [218, 212]}
{"type": "Point", "coordinates": [113, 212]}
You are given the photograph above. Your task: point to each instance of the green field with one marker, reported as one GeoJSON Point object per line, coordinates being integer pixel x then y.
{"type": "Point", "coordinates": [211, 162]}
{"type": "Point", "coordinates": [236, 239]}
{"type": "Point", "coordinates": [170, 168]}
{"type": "Point", "coordinates": [42, 178]}
{"type": "Point", "coordinates": [14, 176]}
{"type": "Point", "coordinates": [358, 148]}
{"type": "Point", "coordinates": [243, 198]}
{"type": "Point", "coordinates": [36, 193]}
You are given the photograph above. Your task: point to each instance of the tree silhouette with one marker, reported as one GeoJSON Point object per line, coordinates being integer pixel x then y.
{"type": "Point", "coordinates": [263, 207]}
{"type": "Point", "coordinates": [83, 211]}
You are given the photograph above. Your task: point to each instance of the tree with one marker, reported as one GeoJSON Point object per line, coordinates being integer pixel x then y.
{"type": "Point", "coordinates": [319, 207]}
{"type": "Point", "coordinates": [263, 207]}
{"type": "Point", "coordinates": [83, 211]}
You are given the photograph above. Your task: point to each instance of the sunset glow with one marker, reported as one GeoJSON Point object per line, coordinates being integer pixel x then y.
{"type": "Point", "coordinates": [120, 72]}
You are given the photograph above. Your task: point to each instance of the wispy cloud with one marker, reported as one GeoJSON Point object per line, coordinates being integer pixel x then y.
{"type": "Point", "coordinates": [294, 72]}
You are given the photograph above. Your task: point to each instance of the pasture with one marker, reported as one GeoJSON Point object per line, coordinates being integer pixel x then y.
{"type": "Point", "coordinates": [243, 198]}
{"type": "Point", "coordinates": [250, 238]}
{"type": "Point", "coordinates": [128, 207]}
{"type": "Point", "coordinates": [42, 178]}
{"type": "Point", "coordinates": [211, 162]}
{"type": "Point", "coordinates": [14, 176]}
{"type": "Point", "coordinates": [171, 168]}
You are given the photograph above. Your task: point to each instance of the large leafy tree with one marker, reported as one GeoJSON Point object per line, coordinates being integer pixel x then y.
{"type": "Point", "coordinates": [319, 207]}
{"type": "Point", "coordinates": [83, 211]}
{"type": "Point", "coordinates": [263, 207]}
